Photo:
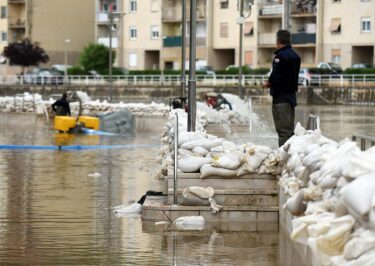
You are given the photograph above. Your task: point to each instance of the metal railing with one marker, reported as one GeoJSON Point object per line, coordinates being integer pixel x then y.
{"type": "Point", "coordinates": [364, 140]}
{"type": "Point", "coordinates": [333, 80]}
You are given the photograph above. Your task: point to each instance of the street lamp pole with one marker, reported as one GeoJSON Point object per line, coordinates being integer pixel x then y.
{"type": "Point", "coordinates": [240, 22]}
{"type": "Point", "coordinates": [245, 12]}
{"type": "Point", "coordinates": [183, 48]}
{"type": "Point", "coordinates": [192, 82]}
{"type": "Point", "coordinates": [112, 22]}
{"type": "Point", "coordinates": [66, 41]}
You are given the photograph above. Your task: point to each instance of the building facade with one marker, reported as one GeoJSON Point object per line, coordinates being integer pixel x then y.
{"type": "Point", "coordinates": [148, 36]}
{"type": "Point", "coordinates": [58, 26]}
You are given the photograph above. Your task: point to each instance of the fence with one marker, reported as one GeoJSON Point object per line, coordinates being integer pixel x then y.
{"type": "Point", "coordinates": [204, 80]}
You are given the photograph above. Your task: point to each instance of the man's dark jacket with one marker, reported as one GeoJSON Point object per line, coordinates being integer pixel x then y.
{"type": "Point", "coordinates": [284, 76]}
{"type": "Point", "coordinates": [61, 107]}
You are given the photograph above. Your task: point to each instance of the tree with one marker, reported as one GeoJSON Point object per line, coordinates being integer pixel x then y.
{"type": "Point", "coordinates": [25, 54]}
{"type": "Point", "coordinates": [96, 57]}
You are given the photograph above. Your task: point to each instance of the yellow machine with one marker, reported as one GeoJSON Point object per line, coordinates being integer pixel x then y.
{"type": "Point", "coordinates": [67, 123]}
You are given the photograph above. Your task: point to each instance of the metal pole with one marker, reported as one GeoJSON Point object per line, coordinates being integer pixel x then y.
{"type": "Point", "coordinates": [66, 41]}
{"type": "Point", "coordinates": [240, 50]}
{"type": "Point", "coordinates": [286, 14]}
{"type": "Point", "coordinates": [110, 55]}
{"type": "Point", "coordinates": [175, 160]}
{"type": "Point", "coordinates": [183, 48]}
{"type": "Point", "coordinates": [192, 81]}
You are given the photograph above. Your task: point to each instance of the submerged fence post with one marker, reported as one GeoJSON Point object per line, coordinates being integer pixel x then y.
{"type": "Point", "coordinates": [175, 159]}
{"type": "Point", "coordinates": [313, 122]}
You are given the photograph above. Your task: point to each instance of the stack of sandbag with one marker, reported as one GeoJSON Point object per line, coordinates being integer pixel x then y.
{"type": "Point", "coordinates": [332, 188]}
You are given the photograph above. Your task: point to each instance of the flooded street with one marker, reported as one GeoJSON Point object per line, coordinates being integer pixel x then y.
{"type": "Point", "coordinates": [53, 213]}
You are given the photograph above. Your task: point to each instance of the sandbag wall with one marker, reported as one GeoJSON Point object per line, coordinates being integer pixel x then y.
{"type": "Point", "coordinates": [331, 191]}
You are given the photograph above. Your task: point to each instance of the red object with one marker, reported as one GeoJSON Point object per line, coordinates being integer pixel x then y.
{"type": "Point", "coordinates": [212, 101]}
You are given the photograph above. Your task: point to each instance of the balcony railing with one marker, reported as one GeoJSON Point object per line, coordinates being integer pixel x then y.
{"type": "Point", "coordinates": [271, 10]}
{"type": "Point", "coordinates": [172, 41]}
{"type": "Point", "coordinates": [303, 38]}
{"type": "Point", "coordinates": [171, 14]}
{"type": "Point", "coordinates": [16, 1]}
{"type": "Point", "coordinates": [105, 41]}
{"type": "Point", "coordinates": [16, 24]}
{"type": "Point", "coordinates": [267, 39]}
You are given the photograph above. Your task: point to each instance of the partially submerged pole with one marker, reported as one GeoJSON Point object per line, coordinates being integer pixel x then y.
{"type": "Point", "coordinates": [192, 82]}
{"type": "Point", "coordinates": [183, 49]}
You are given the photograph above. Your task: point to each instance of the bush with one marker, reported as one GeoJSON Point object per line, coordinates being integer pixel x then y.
{"type": "Point", "coordinates": [321, 71]}
{"type": "Point", "coordinates": [77, 71]}
{"type": "Point", "coordinates": [96, 57]}
{"type": "Point", "coordinates": [359, 71]}
{"type": "Point", "coordinates": [245, 70]}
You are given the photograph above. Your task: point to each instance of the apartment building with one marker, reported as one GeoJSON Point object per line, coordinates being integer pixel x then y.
{"type": "Point", "coordinates": [348, 32]}
{"type": "Point", "coordinates": [56, 25]}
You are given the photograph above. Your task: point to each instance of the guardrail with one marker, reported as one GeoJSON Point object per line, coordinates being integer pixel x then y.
{"type": "Point", "coordinates": [251, 80]}
{"type": "Point", "coordinates": [364, 140]}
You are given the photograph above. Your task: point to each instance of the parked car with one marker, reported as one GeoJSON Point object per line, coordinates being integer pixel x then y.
{"type": "Point", "coordinates": [362, 65]}
{"type": "Point", "coordinates": [304, 77]}
{"type": "Point", "coordinates": [332, 67]}
{"type": "Point", "coordinates": [208, 70]}
{"type": "Point", "coordinates": [43, 76]}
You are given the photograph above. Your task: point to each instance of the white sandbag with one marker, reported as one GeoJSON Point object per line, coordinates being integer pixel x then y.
{"type": "Point", "coordinates": [190, 223]}
{"type": "Point", "coordinates": [255, 155]}
{"type": "Point", "coordinates": [132, 208]}
{"type": "Point", "coordinates": [192, 164]}
{"type": "Point", "coordinates": [230, 160]}
{"type": "Point", "coordinates": [95, 175]}
{"type": "Point", "coordinates": [295, 204]}
{"type": "Point", "coordinates": [205, 143]}
{"type": "Point", "coordinates": [189, 136]}
{"type": "Point", "coordinates": [208, 170]}
{"type": "Point", "coordinates": [201, 192]}
{"type": "Point", "coordinates": [312, 193]}
{"type": "Point", "coordinates": [358, 194]}
{"type": "Point", "coordinates": [185, 153]}
{"type": "Point", "coordinates": [272, 164]}
{"type": "Point", "coordinates": [299, 130]}
{"type": "Point", "coordinates": [361, 242]}
{"type": "Point", "coordinates": [242, 171]}
{"type": "Point", "coordinates": [200, 150]}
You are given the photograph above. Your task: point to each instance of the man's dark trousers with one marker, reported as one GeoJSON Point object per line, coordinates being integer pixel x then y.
{"type": "Point", "coordinates": [283, 117]}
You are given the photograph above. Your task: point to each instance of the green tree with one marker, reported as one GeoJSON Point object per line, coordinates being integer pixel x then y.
{"type": "Point", "coordinates": [96, 57]}
{"type": "Point", "coordinates": [25, 54]}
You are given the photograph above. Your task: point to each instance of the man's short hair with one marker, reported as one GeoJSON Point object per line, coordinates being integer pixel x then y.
{"type": "Point", "coordinates": [283, 37]}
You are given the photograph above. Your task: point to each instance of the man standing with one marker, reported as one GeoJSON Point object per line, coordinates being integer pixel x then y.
{"type": "Point", "coordinates": [61, 107]}
{"type": "Point", "coordinates": [283, 84]}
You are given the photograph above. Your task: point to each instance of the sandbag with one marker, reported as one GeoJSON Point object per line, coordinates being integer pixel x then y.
{"type": "Point", "coordinates": [192, 164]}
{"type": "Point", "coordinates": [189, 136]}
{"type": "Point", "coordinates": [228, 161]}
{"type": "Point", "coordinates": [205, 143]}
{"type": "Point", "coordinates": [358, 194]}
{"type": "Point", "coordinates": [200, 150]}
{"type": "Point", "coordinates": [208, 170]}
{"type": "Point", "coordinates": [190, 223]}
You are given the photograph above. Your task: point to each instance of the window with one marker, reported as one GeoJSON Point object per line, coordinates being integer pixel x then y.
{"type": "Point", "coordinates": [133, 33]}
{"type": "Point", "coordinates": [4, 36]}
{"type": "Point", "coordinates": [133, 6]}
{"type": "Point", "coordinates": [154, 32]}
{"type": "Point", "coordinates": [249, 58]}
{"type": "Point", "coordinates": [249, 29]}
{"type": "Point", "coordinates": [365, 24]}
{"type": "Point", "coordinates": [336, 56]}
{"type": "Point", "coordinates": [3, 12]}
{"type": "Point", "coordinates": [132, 60]}
{"type": "Point", "coordinates": [224, 30]}
{"type": "Point", "coordinates": [224, 4]}
{"type": "Point", "coordinates": [335, 26]}
{"type": "Point", "coordinates": [155, 6]}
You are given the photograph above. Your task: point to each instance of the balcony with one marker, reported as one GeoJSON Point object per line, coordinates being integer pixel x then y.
{"type": "Point", "coordinates": [176, 41]}
{"type": "Point", "coordinates": [105, 41]}
{"type": "Point", "coordinates": [17, 2]}
{"type": "Point", "coordinates": [275, 10]}
{"type": "Point", "coordinates": [303, 8]}
{"type": "Point", "coordinates": [267, 39]}
{"type": "Point", "coordinates": [17, 24]}
{"type": "Point", "coordinates": [102, 18]}
{"type": "Point", "coordinates": [171, 14]}
{"type": "Point", "coordinates": [172, 41]}
{"type": "Point", "coordinates": [303, 38]}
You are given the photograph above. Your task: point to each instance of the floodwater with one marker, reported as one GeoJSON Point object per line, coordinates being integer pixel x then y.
{"type": "Point", "coordinates": [53, 213]}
